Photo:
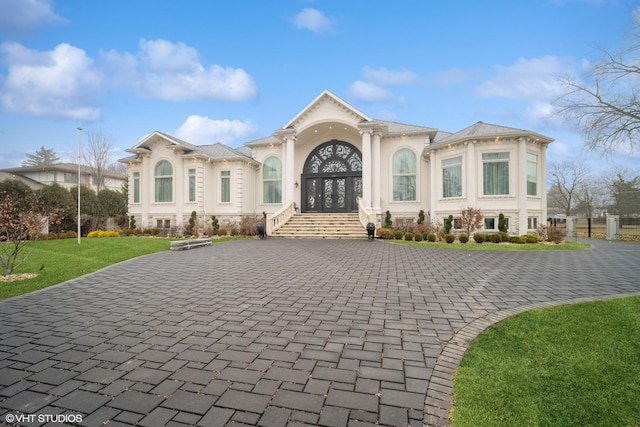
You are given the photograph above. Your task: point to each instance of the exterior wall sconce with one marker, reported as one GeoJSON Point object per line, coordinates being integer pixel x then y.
{"type": "Point", "coordinates": [296, 184]}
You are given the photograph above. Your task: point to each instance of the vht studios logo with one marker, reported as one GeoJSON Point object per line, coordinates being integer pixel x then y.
{"type": "Point", "coordinates": [43, 418]}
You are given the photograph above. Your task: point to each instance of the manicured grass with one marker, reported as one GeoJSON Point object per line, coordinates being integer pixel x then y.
{"type": "Point", "coordinates": [565, 246]}
{"type": "Point", "coordinates": [576, 365]}
{"type": "Point", "coordinates": [66, 259]}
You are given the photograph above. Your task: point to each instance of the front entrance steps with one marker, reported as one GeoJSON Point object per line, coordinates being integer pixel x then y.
{"type": "Point", "coordinates": [322, 226]}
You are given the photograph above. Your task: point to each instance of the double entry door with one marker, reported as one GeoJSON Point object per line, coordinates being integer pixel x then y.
{"type": "Point", "coordinates": [331, 193]}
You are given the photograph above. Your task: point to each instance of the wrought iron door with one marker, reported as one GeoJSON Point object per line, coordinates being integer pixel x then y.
{"type": "Point", "coordinates": [332, 178]}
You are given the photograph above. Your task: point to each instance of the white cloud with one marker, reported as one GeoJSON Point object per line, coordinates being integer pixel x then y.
{"type": "Point", "coordinates": [527, 79]}
{"type": "Point", "coordinates": [172, 71]}
{"type": "Point", "coordinates": [57, 83]}
{"type": "Point", "coordinates": [385, 77]}
{"type": "Point", "coordinates": [313, 20]}
{"type": "Point", "coordinates": [19, 17]}
{"type": "Point", "coordinates": [202, 130]}
{"type": "Point", "coordinates": [373, 85]}
{"type": "Point", "coordinates": [369, 92]}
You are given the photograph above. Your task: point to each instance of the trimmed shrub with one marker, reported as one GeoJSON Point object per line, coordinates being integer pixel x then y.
{"type": "Point", "coordinates": [418, 237]}
{"type": "Point", "coordinates": [504, 236]}
{"type": "Point", "coordinates": [222, 231]}
{"type": "Point", "coordinates": [463, 238]}
{"type": "Point", "coordinates": [531, 238]}
{"type": "Point", "coordinates": [387, 219]}
{"type": "Point", "coordinates": [479, 237]}
{"type": "Point", "coordinates": [102, 233]}
{"type": "Point", "coordinates": [397, 235]}
{"type": "Point", "coordinates": [449, 238]}
{"type": "Point", "coordinates": [384, 233]}
{"type": "Point", "coordinates": [518, 240]}
{"type": "Point", "coordinates": [408, 236]}
{"type": "Point", "coordinates": [494, 238]}
{"type": "Point", "coordinates": [431, 237]}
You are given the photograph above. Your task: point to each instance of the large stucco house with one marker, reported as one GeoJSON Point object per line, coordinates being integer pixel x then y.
{"type": "Point", "coordinates": [333, 158]}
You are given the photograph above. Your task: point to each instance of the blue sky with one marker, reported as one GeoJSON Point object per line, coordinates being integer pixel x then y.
{"type": "Point", "coordinates": [234, 71]}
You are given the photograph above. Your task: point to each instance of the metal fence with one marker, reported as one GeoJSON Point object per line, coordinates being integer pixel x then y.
{"type": "Point", "coordinates": [625, 229]}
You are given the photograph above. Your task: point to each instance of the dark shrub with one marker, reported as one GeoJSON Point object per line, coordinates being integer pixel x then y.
{"type": "Point", "coordinates": [408, 236]}
{"type": "Point", "coordinates": [431, 237]}
{"type": "Point", "coordinates": [397, 235]}
{"type": "Point", "coordinates": [479, 237]}
{"type": "Point", "coordinates": [463, 238]}
{"type": "Point", "coordinates": [531, 238]}
{"type": "Point", "coordinates": [495, 238]}
{"type": "Point", "coordinates": [518, 240]}
{"type": "Point", "coordinates": [418, 237]}
{"type": "Point", "coordinates": [449, 238]}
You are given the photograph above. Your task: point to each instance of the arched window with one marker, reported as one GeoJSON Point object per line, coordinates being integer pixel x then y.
{"type": "Point", "coordinates": [272, 180]}
{"type": "Point", "coordinates": [404, 175]}
{"type": "Point", "coordinates": [163, 174]}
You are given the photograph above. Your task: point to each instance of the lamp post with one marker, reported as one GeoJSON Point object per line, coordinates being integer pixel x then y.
{"type": "Point", "coordinates": [79, 144]}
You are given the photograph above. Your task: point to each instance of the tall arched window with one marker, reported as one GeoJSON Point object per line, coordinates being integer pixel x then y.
{"type": "Point", "coordinates": [272, 180]}
{"type": "Point", "coordinates": [163, 174]}
{"type": "Point", "coordinates": [404, 175]}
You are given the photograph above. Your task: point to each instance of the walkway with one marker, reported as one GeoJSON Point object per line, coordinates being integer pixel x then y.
{"type": "Point", "coordinates": [278, 332]}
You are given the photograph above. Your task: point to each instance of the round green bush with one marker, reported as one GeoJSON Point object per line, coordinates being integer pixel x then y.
{"type": "Point", "coordinates": [397, 235]}
{"type": "Point", "coordinates": [463, 238]}
{"type": "Point", "coordinates": [431, 237]}
{"type": "Point", "coordinates": [479, 237]}
{"type": "Point", "coordinates": [495, 238]}
{"type": "Point", "coordinates": [449, 238]}
{"type": "Point", "coordinates": [418, 237]}
{"type": "Point", "coordinates": [408, 236]}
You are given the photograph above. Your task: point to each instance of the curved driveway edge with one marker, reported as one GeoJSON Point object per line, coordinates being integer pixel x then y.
{"type": "Point", "coordinates": [439, 403]}
{"type": "Point", "coordinates": [279, 332]}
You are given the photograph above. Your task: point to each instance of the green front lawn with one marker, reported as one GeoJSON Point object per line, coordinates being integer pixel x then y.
{"type": "Point", "coordinates": [576, 365]}
{"type": "Point", "coordinates": [66, 259]}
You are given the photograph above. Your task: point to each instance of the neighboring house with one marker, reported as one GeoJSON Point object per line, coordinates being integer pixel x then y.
{"type": "Point", "coordinates": [66, 175]}
{"type": "Point", "coordinates": [331, 157]}
{"type": "Point", "coordinates": [34, 185]}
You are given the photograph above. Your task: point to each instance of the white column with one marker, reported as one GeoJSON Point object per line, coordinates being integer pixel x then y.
{"type": "Point", "coordinates": [542, 179]}
{"type": "Point", "coordinates": [470, 170]}
{"type": "Point", "coordinates": [522, 186]}
{"type": "Point", "coordinates": [375, 170]}
{"type": "Point", "coordinates": [433, 184]}
{"type": "Point", "coordinates": [289, 179]}
{"type": "Point", "coordinates": [366, 168]}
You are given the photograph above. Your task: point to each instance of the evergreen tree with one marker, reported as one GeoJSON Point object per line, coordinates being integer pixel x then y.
{"type": "Point", "coordinates": [43, 156]}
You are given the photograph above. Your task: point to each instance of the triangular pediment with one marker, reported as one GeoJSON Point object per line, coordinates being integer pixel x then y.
{"type": "Point", "coordinates": [326, 107]}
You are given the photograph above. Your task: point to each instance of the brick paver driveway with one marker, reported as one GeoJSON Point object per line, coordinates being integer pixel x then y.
{"type": "Point", "coordinates": [278, 332]}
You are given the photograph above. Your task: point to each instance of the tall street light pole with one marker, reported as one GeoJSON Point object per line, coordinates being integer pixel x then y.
{"type": "Point", "coordinates": [79, 162]}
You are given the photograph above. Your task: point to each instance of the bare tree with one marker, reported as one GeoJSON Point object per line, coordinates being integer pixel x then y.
{"type": "Point", "coordinates": [565, 178]}
{"type": "Point", "coordinates": [590, 196]}
{"type": "Point", "coordinates": [96, 156]}
{"type": "Point", "coordinates": [470, 219]}
{"type": "Point", "coordinates": [605, 105]}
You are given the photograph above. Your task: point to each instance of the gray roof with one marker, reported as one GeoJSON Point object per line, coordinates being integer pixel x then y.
{"type": "Point", "coordinates": [263, 141]}
{"type": "Point", "coordinates": [219, 151]}
{"type": "Point", "coordinates": [395, 127]}
{"type": "Point", "coordinates": [484, 130]}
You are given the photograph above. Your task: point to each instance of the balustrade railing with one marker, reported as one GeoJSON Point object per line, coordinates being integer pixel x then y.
{"type": "Point", "coordinates": [279, 218]}
{"type": "Point", "coordinates": [364, 214]}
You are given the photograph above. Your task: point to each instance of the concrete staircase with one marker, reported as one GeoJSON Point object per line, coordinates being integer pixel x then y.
{"type": "Point", "coordinates": [322, 226]}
